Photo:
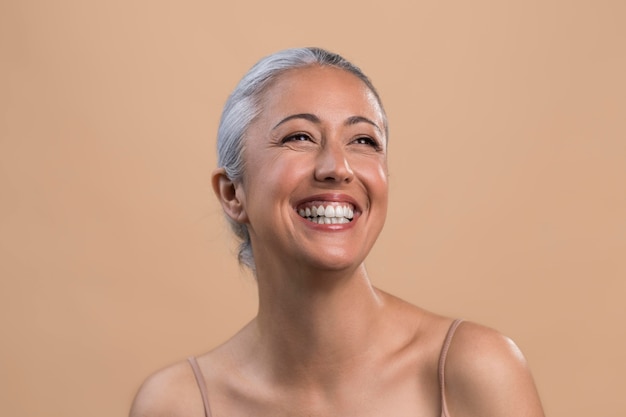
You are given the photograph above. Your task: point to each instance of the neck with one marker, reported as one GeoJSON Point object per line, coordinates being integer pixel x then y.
{"type": "Point", "coordinates": [313, 325]}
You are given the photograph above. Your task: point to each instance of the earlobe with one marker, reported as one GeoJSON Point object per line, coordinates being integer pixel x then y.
{"type": "Point", "coordinates": [229, 195]}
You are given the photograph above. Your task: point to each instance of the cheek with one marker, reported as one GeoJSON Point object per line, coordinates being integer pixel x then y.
{"type": "Point", "coordinates": [284, 170]}
{"type": "Point", "coordinates": [275, 176]}
{"type": "Point", "coordinates": [375, 176]}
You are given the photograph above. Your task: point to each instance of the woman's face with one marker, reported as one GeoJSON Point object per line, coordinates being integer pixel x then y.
{"type": "Point", "coordinates": [315, 186]}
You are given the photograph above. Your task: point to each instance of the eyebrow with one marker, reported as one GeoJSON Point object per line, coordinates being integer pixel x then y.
{"type": "Point", "coordinates": [360, 119]}
{"type": "Point", "coordinates": [352, 120]}
{"type": "Point", "coordinates": [306, 116]}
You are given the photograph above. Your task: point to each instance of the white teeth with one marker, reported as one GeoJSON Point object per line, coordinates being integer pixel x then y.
{"type": "Point", "coordinates": [331, 214]}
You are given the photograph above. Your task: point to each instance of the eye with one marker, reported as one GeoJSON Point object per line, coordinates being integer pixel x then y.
{"type": "Point", "coordinates": [366, 140]}
{"type": "Point", "coordinates": [298, 137]}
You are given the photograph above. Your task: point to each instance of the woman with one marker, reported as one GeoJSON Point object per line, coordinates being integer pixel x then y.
{"type": "Point", "coordinates": [302, 178]}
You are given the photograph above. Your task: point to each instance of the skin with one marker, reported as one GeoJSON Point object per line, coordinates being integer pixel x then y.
{"type": "Point", "coordinates": [325, 342]}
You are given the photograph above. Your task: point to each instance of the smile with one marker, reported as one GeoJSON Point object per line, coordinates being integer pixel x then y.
{"type": "Point", "coordinates": [327, 213]}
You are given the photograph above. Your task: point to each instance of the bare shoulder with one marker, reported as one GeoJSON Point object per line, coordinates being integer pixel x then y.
{"type": "Point", "coordinates": [170, 392]}
{"type": "Point", "coordinates": [486, 375]}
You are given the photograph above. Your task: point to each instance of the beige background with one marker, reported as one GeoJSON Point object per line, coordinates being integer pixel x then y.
{"type": "Point", "coordinates": [508, 163]}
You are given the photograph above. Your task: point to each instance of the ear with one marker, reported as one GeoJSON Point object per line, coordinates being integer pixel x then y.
{"type": "Point", "coordinates": [230, 195]}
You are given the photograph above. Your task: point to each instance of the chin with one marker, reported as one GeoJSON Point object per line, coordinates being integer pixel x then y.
{"type": "Point", "coordinates": [333, 262]}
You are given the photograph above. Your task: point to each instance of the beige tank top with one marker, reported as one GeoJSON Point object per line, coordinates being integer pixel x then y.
{"type": "Point", "coordinates": [442, 364]}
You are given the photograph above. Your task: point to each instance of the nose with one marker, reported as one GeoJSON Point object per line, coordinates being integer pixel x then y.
{"type": "Point", "coordinates": [332, 165]}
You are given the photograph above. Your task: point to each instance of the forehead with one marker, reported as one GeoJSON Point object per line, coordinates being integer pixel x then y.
{"type": "Point", "coordinates": [297, 89]}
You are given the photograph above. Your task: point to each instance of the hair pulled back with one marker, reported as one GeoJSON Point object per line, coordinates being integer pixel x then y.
{"type": "Point", "coordinates": [244, 105]}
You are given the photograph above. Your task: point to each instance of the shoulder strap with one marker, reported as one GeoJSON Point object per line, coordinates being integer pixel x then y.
{"type": "Point", "coordinates": [201, 385]}
{"type": "Point", "coordinates": [442, 364]}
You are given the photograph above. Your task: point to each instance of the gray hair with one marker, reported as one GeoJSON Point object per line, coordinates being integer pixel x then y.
{"type": "Point", "coordinates": [243, 106]}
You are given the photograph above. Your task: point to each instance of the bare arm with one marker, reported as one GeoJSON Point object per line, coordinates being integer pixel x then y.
{"type": "Point", "coordinates": [487, 376]}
